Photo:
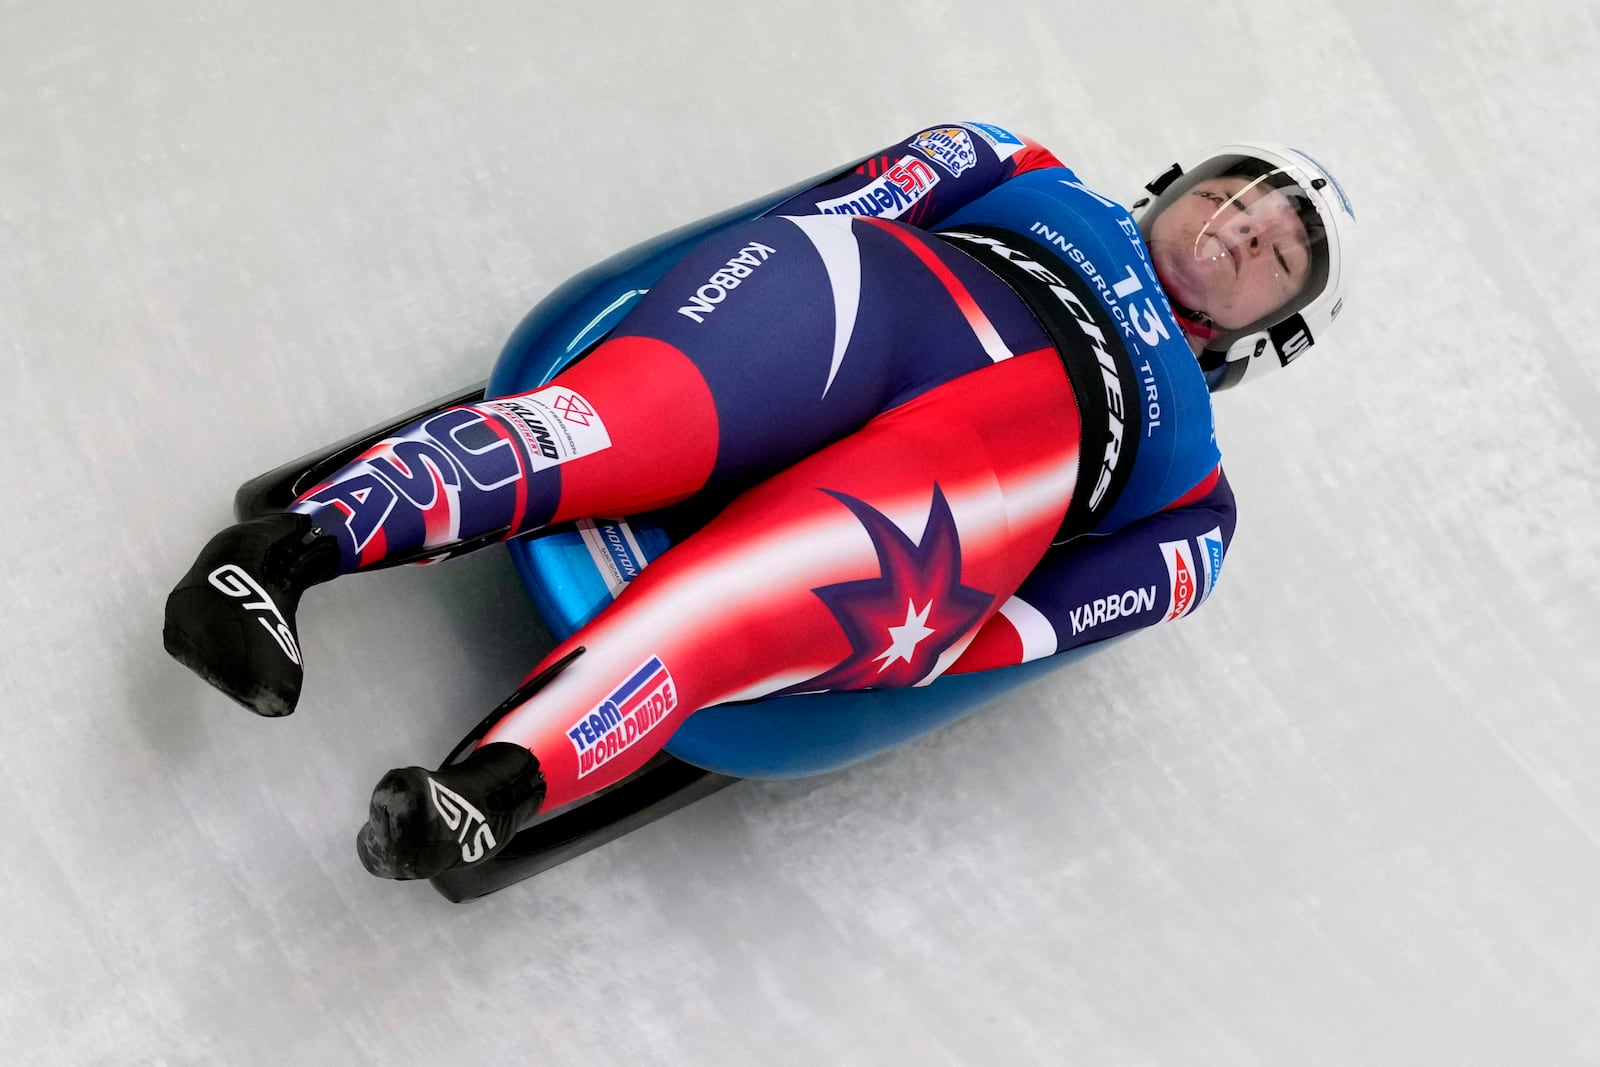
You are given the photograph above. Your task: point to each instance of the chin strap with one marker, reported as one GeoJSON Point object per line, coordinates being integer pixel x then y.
{"type": "Point", "coordinates": [1196, 324]}
{"type": "Point", "coordinates": [1193, 323]}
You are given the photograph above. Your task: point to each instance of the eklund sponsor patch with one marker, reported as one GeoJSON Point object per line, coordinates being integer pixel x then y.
{"type": "Point", "coordinates": [555, 424]}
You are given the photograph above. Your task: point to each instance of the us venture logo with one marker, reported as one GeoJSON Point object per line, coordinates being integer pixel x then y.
{"type": "Point", "coordinates": [899, 187]}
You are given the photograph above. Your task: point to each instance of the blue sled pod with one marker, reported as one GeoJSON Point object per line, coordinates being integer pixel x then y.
{"type": "Point", "coordinates": [574, 572]}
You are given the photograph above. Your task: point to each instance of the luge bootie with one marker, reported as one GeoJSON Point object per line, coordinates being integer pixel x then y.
{"type": "Point", "coordinates": [231, 618]}
{"type": "Point", "coordinates": [422, 823]}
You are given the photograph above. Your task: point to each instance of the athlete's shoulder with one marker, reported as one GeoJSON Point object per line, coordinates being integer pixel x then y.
{"type": "Point", "coordinates": [959, 141]}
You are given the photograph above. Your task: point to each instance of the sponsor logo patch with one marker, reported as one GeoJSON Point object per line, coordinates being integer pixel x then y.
{"type": "Point", "coordinates": [472, 830]}
{"type": "Point", "coordinates": [575, 409]}
{"type": "Point", "coordinates": [1290, 338]}
{"type": "Point", "coordinates": [618, 722]}
{"type": "Point", "coordinates": [614, 550]}
{"type": "Point", "coordinates": [1180, 578]}
{"type": "Point", "coordinates": [728, 278]}
{"type": "Point", "coordinates": [1211, 559]}
{"type": "Point", "coordinates": [1344, 199]}
{"type": "Point", "coordinates": [555, 424]}
{"type": "Point", "coordinates": [231, 580]}
{"type": "Point", "coordinates": [949, 146]}
{"type": "Point", "coordinates": [1110, 608]}
{"type": "Point", "coordinates": [889, 196]}
{"type": "Point", "coordinates": [1110, 375]}
{"type": "Point", "coordinates": [1005, 143]}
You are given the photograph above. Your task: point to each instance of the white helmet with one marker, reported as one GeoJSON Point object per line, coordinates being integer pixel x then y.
{"type": "Point", "coordinates": [1277, 338]}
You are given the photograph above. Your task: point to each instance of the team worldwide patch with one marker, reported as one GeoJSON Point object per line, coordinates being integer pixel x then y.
{"type": "Point", "coordinates": [624, 718]}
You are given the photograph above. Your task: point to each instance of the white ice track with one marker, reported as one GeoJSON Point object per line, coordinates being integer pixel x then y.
{"type": "Point", "coordinates": [1349, 813]}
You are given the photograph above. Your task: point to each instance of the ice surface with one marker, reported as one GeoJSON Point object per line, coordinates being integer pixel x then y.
{"type": "Point", "coordinates": [1347, 814]}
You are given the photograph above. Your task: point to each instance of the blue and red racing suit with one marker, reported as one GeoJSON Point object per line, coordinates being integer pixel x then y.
{"type": "Point", "coordinates": [956, 419]}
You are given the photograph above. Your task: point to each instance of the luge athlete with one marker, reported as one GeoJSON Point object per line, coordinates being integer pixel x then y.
{"type": "Point", "coordinates": [962, 400]}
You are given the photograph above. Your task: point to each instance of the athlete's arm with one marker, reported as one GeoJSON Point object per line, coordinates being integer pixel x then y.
{"type": "Point", "coordinates": [1151, 571]}
{"type": "Point", "coordinates": [926, 177]}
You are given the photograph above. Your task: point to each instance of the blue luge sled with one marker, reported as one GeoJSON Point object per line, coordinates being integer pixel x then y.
{"type": "Point", "coordinates": [565, 571]}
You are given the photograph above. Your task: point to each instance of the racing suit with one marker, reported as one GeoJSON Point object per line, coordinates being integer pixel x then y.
{"type": "Point", "coordinates": [958, 422]}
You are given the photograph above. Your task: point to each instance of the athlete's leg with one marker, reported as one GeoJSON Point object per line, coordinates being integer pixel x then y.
{"type": "Point", "coordinates": [869, 564]}
{"type": "Point", "coordinates": [806, 329]}
{"type": "Point", "coordinates": [759, 347]}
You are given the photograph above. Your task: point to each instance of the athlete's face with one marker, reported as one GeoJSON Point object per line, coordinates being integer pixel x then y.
{"type": "Point", "coordinates": [1232, 248]}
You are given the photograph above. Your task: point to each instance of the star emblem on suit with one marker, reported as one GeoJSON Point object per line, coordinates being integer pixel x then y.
{"type": "Point", "coordinates": [902, 621]}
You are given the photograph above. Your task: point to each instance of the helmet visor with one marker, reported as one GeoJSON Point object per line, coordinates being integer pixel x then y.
{"type": "Point", "coordinates": [1238, 240]}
